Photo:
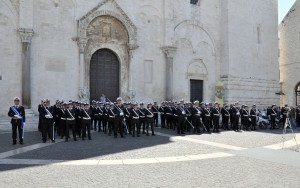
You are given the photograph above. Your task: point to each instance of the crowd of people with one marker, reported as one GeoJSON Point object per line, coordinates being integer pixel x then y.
{"type": "Point", "coordinates": [123, 118]}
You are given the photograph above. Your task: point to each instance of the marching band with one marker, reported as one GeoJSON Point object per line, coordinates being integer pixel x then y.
{"type": "Point", "coordinates": [133, 118]}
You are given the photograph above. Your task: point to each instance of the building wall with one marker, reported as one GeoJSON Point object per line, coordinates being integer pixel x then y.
{"type": "Point", "coordinates": [10, 53]}
{"type": "Point", "coordinates": [212, 44]}
{"type": "Point", "coordinates": [250, 65]}
{"type": "Point", "coordinates": [289, 59]}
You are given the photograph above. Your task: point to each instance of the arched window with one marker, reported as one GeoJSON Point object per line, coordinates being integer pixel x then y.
{"type": "Point", "coordinates": [298, 94]}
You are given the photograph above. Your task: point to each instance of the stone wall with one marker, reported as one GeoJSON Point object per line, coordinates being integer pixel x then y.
{"type": "Point", "coordinates": [169, 43]}
{"type": "Point", "coordinates": [289, 59]}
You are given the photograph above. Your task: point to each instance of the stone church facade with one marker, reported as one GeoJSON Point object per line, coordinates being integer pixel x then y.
{"type": "Point", "coordinates": [289, 57]}
{"type": "Point", "coordinates": [142, 50]}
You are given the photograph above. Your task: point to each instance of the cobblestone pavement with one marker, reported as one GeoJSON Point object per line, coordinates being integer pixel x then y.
{"type": "Point", "coordinates": [228, 159]}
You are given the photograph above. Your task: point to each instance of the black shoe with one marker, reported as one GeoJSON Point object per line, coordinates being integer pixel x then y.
{"type": "Point", "coordinates": [153, 134]}
{"type": "Point", "coordinates": [66, 140]}
{"type": "Point", "coordinates": [14, 143]}
{"type": "Point", "coordinates": [44, 141]}
{"type": "Point", "coordinates": [82, 138]}
{"type": "Point", "coordinates": [21, 142]}
{"type": "Point", "coordinates": [90, 138]}
{"type": "Point", "coordinates": [53, 141]}
{"type": "Point", "coordinates": [75, 139]}
{"type": "Point", "coordinates": [133, 135]}
{"type": "Point", "coordinates": [138, 135]}
{"type": "Point", "coordinates": [115, 136]}
{"type": "Point", "coordinates": [147, 134]}
{"type": "Point", "coordinates": [144, 132]}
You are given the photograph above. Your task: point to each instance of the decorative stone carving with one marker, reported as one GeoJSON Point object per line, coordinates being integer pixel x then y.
{"type": "Point", "coordinates": [26, 35]}
{"type": "Point", "coordinates": [119, 14]}
{"type": "Point", "coordinates": [169, 51]}
{"type": "Point", "coordinates": [82, 44]}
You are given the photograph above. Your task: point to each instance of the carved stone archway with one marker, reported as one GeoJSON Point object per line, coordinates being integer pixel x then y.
{"type": "Point", "coordinates": [106, 27]}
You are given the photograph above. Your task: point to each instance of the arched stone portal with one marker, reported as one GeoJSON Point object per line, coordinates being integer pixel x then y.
{"type": "Point", "coordinates": [105, 27]}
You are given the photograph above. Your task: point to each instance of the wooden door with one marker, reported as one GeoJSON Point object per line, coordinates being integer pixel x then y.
{"type": "Point", "coordinates": [104, 75]}
{"type": "Point", "coordinates": [196, 90]}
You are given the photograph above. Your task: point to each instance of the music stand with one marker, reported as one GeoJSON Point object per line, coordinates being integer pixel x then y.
{"type": "Point", "coordinates": [288, 125]}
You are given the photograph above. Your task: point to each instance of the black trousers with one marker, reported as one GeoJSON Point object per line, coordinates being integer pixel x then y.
{"type": "Point", "coordinates": [47, 128]}
{"type": "Point", "coordinates": [86, 127]}
{"type": "Point", "coordinates": [253, 123]}
{"type": "Point", "coordinates": [62, 128]}
{"type": "Point", "coordinates": [272, 122]}
{"type": "Point", "coordinates": [216, 120]}
{"type": "Point", "coordinates": [181, 125]}
{"type": "Point", "coordinates": [17, 126]}
{"type": "Point", "coordinates": [135, 127]}
{"type": "Point", "coordinates": [100, 123]}
{"type": "Point", "coordinates": [196, 123]}
{"type": "Point", "coordinates": [143, 124]}
{"type": "Point", "coordinates": [207, 123]}
{"type": "Point", "coordinates": [118, 126]}
{"type": "Point", "coordinates": [235, 123]}
{"type": "Point", "coordinates": [169, 119]}
{"type": "Point", "coordinates": [225, 122]}
{"type": "Point", "coordinates": [150, 123]}
{"type": "Point", "coordinates": [78, 127]}
{"type": "Point", "coordinates": [104, 125]}
{"type": "Point", "coordinates": [70, 124]}
{"type": "Point", "coordinates": [156, 119]}
{"type": "Point", "coordinates": [128, 123]}
{"type": "Point", "coordinates": [163, 120]}
{"type": "Point", "coordinates": [246, 122]}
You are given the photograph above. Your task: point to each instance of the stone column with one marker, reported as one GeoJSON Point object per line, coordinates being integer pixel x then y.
{"type": "Point", "coordinates": [170, 52]}
{"type": "Point", "coordinates": [82, 89]}
{"type": "Point", "coordinates": [131, 48]}
{"type": "Point", "coordinates": [26, 36]}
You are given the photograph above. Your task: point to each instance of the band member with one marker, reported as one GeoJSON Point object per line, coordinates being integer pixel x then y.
{"type": "Point", "coordinates": [111, 118]}
{"type": "Point", "coordinates": [236, 117]}
{"type": "Point", "coordinates": [119, 118]}
{"type": "Point", "coordinates": [149, 119]}
{"type": "Point", "coordinates": [70, 121]}
{"type": "Point", "coordinates": [94, 119]}
{"type": "Point", "coordinates": [78, 118]}
{"type": "Point", "coordinates": [62, 123]}
{"type": "Point", "coordinates": [162, 111]}
{"type": "Point", "coordinates": [135, 122]}
{"type": "Point", "coordinates": [128, 116]}
{"type": "Point", "coordinates": [100, 112]}
{"type": "Point", "coordinates": [56, 116]}
{"type": "Point", "coordinates": [17, 114]}
{"type": "Point", "coordinates": [47, 127]}
{"type": "Point", "coordinates": [196, 115]}
{"type": "Point", "coordinates": [175, 118]}
{"type": "Point", "coordinates": [169, 115]}
{"type": "Point", "coordinates": [253, 117]}
{"type": "Point", "coordinates": [215, 114]}
{"type": "Point", "coordinates": [189, 117]}
{"type": "Point", "coordinates": [207, 117]}
{"type": "Point", "coordinates": [225, 117]}
{"type": "Point", "coordinates": [86, 121]}
{"type": "Point", "coordinates": [181, 114]}
{"type": "Point", "coordinates": [106, 110]}
{"type": "Point", "coordinates": [142, 117]}
{"type": "Point", "coordinates": [273, 114]}
{"type": "Point", "coordinates": [245, 117]}
{"type": "Point", "coordinates": [155, 110]}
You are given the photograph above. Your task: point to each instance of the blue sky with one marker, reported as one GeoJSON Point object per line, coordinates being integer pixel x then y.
{"type": "Point", "coordinates": [283, 7]}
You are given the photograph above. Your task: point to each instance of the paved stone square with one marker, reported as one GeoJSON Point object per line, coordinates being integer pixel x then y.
{"type": "Point", "coordinates": [228, 159]}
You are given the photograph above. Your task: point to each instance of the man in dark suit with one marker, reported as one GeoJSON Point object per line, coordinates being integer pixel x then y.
{"type": "Point", "coordinates": [17, 114]}
{"type": "Point", "coordinates": [181, 114]}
